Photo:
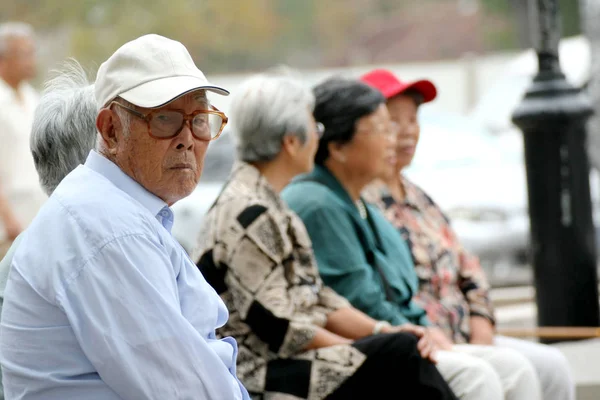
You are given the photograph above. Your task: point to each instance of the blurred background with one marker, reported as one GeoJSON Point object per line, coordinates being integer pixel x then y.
{"type": "Point", "coordinates": [477, 52]}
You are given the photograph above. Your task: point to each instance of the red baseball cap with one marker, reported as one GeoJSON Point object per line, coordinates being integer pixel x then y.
{"type": "Point", "coordinates": [390, 86]}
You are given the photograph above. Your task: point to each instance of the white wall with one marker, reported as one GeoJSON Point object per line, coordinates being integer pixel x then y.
{"type": "Point", "coordinates": [460, 82]}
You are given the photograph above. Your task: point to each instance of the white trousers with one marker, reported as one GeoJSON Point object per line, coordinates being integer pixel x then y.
{"type": "Point", "coordinates": [552, 367]}
{"type": "Point", "coordinates": [489, 372]}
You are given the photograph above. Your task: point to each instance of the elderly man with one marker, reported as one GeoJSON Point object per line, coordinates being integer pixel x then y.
{"type": "Point", "coordinates": [20, 192]}
{"type": "Point", "coordinates": [101, 301]}
{"type": "Point", "coordinates": [63, 134]}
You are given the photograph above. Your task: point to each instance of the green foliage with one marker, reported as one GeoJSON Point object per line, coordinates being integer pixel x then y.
{"type": "Point", "coordinates": [498, 7]}
{"type": "Point", "coordinates": [239, 35]}
{"type": "Point", "coordinates": [571, 19]}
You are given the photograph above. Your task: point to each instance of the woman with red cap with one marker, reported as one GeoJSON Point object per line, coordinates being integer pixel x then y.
{"type": "Point", "coordinates": [453, 287]}
{"type": "Point", "coordinates": [360, 254]}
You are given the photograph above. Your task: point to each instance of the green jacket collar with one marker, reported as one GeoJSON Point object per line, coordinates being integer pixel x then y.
{"type": "Point", "coordinates": [325, 177]}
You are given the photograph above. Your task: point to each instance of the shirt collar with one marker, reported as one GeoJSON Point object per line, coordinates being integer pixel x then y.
{"type": "Point", "coordinates": [120, 179]}
{"type": "Point", "coordinates": [8, 92]}
{"type": "Point", "coordinates": [5, 89]}
{"type": "Point", "coordinates": [323, 175]}
{"type": "Point", "coordinates": [412, 196]}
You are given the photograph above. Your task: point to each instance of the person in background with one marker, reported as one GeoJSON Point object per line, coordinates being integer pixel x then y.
{"type": "Point", "coordinates": [20, 192]}
{"type": "Point", "coordinates": [298, 338]}
{"type": "Point", "coordinates": [453, 287]}
{"type": "Point", "coordinates": [63, 133]}
{"type": "Point", "coordinates": [361, 255]}
{"type": "Point", "coordinates": [101, 301]}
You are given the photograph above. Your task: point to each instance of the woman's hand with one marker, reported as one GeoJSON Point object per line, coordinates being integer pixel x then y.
{"type": "Point", "coordinates": [482, 331]}
{"type": "Point", "coordinates": [439, 338]}
{"type": "Point", "coordinates": [426, 346]}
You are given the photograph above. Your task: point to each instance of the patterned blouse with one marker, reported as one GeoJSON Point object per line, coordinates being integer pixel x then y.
{"type": "Point", "coordinates": [258, 256]}
{"type": "Point", "coordinates": [452, 283]}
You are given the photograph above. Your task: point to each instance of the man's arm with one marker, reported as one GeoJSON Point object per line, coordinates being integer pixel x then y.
{"type": "Point", "coordinates": [11, 224]}
{"type": "Point", "coordinates": [124, 309]}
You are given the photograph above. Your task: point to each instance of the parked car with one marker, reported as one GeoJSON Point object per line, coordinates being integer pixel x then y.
{"type": "Point", "coordinates": [480, 182]}
{"type": "Point", "coordinates": [494, 109]}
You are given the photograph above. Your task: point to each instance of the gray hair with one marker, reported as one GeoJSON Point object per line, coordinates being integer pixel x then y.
{"type": "Point", "coordinates": [264, 109]}
{"type": "Point", "coordinates": [10, 30]}
{"type": "Point", "coordinates": [64, 125]}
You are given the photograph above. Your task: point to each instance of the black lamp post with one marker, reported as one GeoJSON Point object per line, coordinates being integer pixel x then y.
{"type": "Point", "coordinates": [553, 118]}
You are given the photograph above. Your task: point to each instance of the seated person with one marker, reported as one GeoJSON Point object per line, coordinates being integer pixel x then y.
{"type": "Point", "coordinates": [63, 133]}
{"type": "Point", "coordinates": [101, 302]}
{"type": "Point", "coordinates": [297, 338]}
{"type": "Point", "coordinates": [361, 255]}
{"type": "Point", "coordinates": [453, 287]}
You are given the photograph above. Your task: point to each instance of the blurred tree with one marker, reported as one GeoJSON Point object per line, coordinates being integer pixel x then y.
{"type": "Point", "coordinates": [237, 35]}
{"type": "Point", "coordinates": [521, 13]}
{"type": "Point", "coordinates": [216, 37]}
{"type": "Point", "coordinates": [221, 34]}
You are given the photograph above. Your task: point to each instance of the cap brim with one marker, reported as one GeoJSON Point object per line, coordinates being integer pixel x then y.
{"type": "Point", "coordinates": [425, 87]}
{"type": "Point", "coordinates": [159, 92]}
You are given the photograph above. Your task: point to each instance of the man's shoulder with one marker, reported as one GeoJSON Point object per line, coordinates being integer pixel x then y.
{"type": "Point", "coordinates": [85, 212]}
{"type": "Point", "coordinates": [90, 197]}
{"type": "Point", "coordinates": [83, 216]}
{"type": "Point", "coordinates": [5, 265]}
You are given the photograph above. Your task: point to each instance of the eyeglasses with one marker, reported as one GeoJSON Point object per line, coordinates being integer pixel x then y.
{"type": "Point", "coordinates": [390, 129]}
{"type": "Point", "coordinates": [320, 129]}
{"type": "Point", "coordinates": [166, 124]}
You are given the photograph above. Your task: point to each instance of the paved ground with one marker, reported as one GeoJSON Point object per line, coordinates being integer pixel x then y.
{"type": "Point", "coordinates": [514, 309]}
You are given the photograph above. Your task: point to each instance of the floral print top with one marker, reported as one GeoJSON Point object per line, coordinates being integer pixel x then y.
{"type": "Point", "coordinates": [452, 284]}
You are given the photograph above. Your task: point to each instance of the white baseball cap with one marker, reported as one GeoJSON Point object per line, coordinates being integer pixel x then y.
{"type": "Point", "coordinates": [150, 72]}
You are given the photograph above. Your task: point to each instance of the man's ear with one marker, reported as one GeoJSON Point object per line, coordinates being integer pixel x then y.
{"type": "Point", "coordinates": [106, 123]}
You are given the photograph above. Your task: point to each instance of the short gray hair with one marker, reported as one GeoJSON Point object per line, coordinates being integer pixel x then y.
{"type": "Point", "coordinates": [264, 109]}
{"type": "Point", "coordinates": [10, 30]}
{"type": "Point", "coordinates": [64, 125]}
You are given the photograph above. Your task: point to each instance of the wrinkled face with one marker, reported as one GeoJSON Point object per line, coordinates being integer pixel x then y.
{"type": "Point", "coordinates": [370, 153]}
{"type": "Point", "coordinates": [168, 168]}
{"type": "Point", "coordinates": [19, 61]}
{"type": "Point", "coordinates": [403, 112]}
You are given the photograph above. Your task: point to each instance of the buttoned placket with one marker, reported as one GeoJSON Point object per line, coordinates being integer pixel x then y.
{"type": "Point", "coordinates": [166, 218]}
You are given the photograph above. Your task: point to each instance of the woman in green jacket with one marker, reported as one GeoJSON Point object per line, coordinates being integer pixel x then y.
{"type": "Point", "coordinates": [363, 257]}
{"type": "Point", "coordinates": [297, 338]}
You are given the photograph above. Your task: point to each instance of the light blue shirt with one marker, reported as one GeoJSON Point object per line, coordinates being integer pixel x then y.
{"type": "Point", "coordinates": [102, 303]}
{"type": "Point", "coordinates": [4, 270]}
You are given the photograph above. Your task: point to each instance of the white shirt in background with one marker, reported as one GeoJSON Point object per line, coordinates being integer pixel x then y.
{"type": "Point", "coordinates": [18, 177]}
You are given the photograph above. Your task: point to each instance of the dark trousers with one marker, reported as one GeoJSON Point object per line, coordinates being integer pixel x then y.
{"type": "Point", "coordinates": [394, 369]}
